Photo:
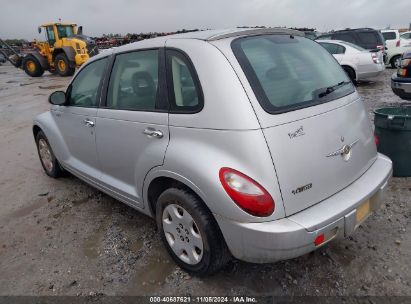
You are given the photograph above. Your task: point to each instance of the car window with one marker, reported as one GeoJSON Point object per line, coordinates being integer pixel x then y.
{"type": "Point", "coordinates": [185, 92]}
{"type": "Point", "coordinates": [50, 35]}
{"type": "Point", "coordinates": [389, 35]}
{"type": "Point", "coordinates": [333, 48]}
{"type": "Point", "coordinates": [134, 81]}
{"type": "Point", "coordinates": [369, 38]}
{"type": "Point", "coordinates": [344, 37]}
{"type": "Point", "coordinates": [84, 88]}
{"type": "Point", "coordinates": [324, 37]}
{"type": "Point", "coordinates": [288, 72]}
{"type": "Point", "coordinates": [406, 36]}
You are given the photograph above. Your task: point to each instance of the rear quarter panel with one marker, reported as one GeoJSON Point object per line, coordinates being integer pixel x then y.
{"type": "Point", "coordinates": [197, 155]}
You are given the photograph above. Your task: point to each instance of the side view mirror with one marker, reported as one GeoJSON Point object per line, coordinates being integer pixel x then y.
{"type": "Point", "coordinates": [39, 29]}
{"type": "Point", "coordinates": [80, 30]}
{"type": "Point", "coordinates": [57, 98]}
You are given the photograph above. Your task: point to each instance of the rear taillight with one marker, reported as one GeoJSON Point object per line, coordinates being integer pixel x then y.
{"type": "Point", "coordinates": [246, 192]}
{"type": "Point", "coordinates": [376, 140]}
{"type": "Point", "coordinates": [398, 43]}
{"type": "Point", "coordinates": [375, 58]}
{"type": "Point", "coordinates": [319, 239]}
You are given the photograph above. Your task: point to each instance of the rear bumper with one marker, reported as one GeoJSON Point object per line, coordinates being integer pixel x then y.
{"type": "Point", "coordinates": [369, 71]}
{"type": "Point", "coordinates": [290, 237]}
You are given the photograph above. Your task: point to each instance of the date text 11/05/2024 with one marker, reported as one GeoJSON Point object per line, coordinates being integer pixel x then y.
{"type": "Point", "coordinates": [205, 299]}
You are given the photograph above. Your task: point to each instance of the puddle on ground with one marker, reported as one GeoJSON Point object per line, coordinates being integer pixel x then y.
{"type": "Point", "coordinates": [157, 267]}
{"type": "Point", "coordinates": [81, 201]}
{"type": "Point", "coordinates": [136, 246]}
{"type": "Point", "coordinates": [92, 245]}
{"type": "Point", "coordinates": [52, 87]}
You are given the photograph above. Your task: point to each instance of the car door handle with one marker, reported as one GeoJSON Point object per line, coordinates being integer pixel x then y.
{"type": "Point", "coordinates": [88, 123]}
{"type": "Point", "coordinates": [150, 132]}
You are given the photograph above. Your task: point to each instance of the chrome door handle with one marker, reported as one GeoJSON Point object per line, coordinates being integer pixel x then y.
{"type": "Point", "coordinates": [150, 132]}
{"type": "Point", "coordinates": [88, 123]}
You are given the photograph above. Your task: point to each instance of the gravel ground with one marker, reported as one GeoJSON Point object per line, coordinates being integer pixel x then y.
{"type": "Point", "coordinates": [62, 237]}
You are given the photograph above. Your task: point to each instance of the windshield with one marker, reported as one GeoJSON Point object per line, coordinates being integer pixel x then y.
{"type": "Point", "coordinates": [288, 73]}
{"type": "Point", "coordinates": [65, 31]}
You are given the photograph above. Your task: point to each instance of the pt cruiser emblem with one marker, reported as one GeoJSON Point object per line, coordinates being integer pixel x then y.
{"type": "Point", "coordinates": [345, 151]}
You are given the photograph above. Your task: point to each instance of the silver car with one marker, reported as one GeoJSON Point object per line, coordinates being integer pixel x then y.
{"type": "Point", "coordinates": [245, 143]}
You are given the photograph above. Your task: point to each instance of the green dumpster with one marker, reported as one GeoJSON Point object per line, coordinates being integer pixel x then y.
{"type": "Point", "coordinates": [393, 137]}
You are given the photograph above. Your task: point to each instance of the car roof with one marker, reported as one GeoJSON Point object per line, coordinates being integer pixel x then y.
{"type": "Point", "coordinates": [211, 35]}
{"type": "Point", "coordinates": [207, 35]}
{"type": "Point", "coordinates": [364, 29]}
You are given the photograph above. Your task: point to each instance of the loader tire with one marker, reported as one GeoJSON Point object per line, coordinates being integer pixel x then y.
{"type": "Point", "coordinates": [32, 66]}
{"type": "Point", "coordinates": [62, 66]}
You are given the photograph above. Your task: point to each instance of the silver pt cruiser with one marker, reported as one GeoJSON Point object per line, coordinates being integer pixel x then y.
{"type": "Point", "coordinates": [250, 143]}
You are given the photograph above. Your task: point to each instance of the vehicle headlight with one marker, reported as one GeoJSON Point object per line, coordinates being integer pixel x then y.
{"type": "Point", "coordinates": [405, 62]}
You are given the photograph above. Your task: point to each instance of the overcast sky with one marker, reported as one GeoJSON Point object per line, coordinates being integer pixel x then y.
{"type": "Point", "coordinates": [20, 18]}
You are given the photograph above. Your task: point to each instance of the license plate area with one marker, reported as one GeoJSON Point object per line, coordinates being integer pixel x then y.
{"type": "Point", "coordinates": [363, 211]}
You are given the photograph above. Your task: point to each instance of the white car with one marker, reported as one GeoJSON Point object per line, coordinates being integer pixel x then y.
{"type": "Point", "coordinates": [394, 54]}
{"type": "Point", "coordinates": [406, 35]}
{"type": "Point", "coordinates": [358, 63]}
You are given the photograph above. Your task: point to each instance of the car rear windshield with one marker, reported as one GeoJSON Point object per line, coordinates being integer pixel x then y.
{"type": "Point", "coordinates": [290, 72]}
{"type": "Point", "coordinates": [370, 38]}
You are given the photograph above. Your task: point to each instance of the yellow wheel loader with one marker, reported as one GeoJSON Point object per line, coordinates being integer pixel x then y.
{"type": "Point", "coordinates": [65, 49]}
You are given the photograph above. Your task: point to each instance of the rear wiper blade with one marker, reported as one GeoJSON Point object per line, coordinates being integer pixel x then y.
{"type": "Point", "coordinates": [331, 89]}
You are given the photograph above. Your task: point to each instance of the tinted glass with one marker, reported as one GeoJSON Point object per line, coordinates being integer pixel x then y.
{"type": "Point", "coordinates": [333, 48]}
{"type": "Point", "coordinates": [324, 37]}
{"type": "Point", "coordinates": [84, 88]}
{"type": "Point", "coordinates": [369, 38]}
{"type": "Point", "coordinates": [344, 37]}
{"type": "Point", "coordinates": [183, 83]}
{"type": "Point", "coordinates": [289, 72]}
{"type": "Point", "coordinates": [134, 81]}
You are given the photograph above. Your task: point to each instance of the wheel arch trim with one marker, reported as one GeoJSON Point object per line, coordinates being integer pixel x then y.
{"type": "Point", "coordinates": [160, 172]}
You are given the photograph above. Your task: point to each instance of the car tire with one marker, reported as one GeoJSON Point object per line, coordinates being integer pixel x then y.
{"type": "Point", "coordinates": [48, 161]}
{"type": "Point", "coordinates": [395, 61]}
{"type": "Point", "coordinates": [62, 66]}
{"type": "Point", "coordinates": [183, 218]}
{"type": "Point", "coordinates": [32, 66]}
{"type": "Point", "coordinates": [351, 73]}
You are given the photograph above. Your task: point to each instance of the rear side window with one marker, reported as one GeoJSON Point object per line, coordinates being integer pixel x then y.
{"type": "Point", "coordinates": [345, 37]}
{"type": "Point", "coordinates": [325, 37]}
{"type": "Point", "coordinates": [288, 73]}
{"type": "Point", "coordinates": [185, 94]}
{"type": "Point", "coordinates": [332, 48]}
{"type": "Point", "coordinates": [369, 38]}
{"type": "Point", "coordinates": [389, 36]}
{"type": "Point", "coordinates": [134, 81]}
